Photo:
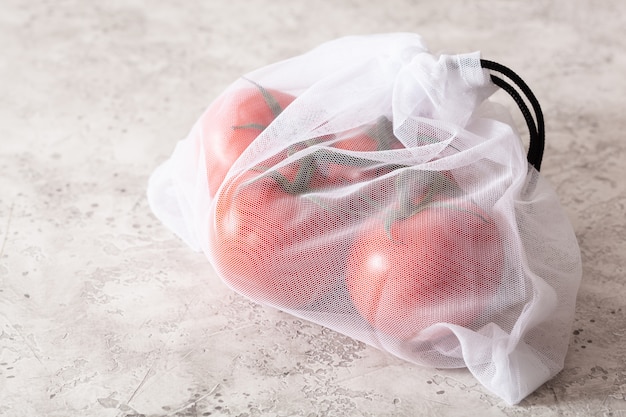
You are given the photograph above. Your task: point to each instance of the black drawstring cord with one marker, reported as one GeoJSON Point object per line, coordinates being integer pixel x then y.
{"type": "Point", "coordinates": [536, 130]}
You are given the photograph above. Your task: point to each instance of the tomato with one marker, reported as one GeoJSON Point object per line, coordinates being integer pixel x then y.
{"type": "Point", "coordinates": [231, 123]}
{"type": "Point", "coordinates": [439, 265]}
{"type": "Point", "coordinates": [348, 159]}
{"type": "Point", "coordinates": [348, 168]}
{"type": "Point", "coordinates": [272, 243]}
{"type": "Point", "coordinates": [378, 137]}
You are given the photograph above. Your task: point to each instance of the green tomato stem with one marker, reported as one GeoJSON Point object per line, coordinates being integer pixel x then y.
{"type": "Point", "coordinates": [382, 133]}
{"type": "Point", "coordinates": [256, 126]}
{"type": "Point", "coordinates": [270, 100]}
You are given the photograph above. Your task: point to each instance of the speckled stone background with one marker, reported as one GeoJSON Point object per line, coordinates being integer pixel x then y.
{"type": "Point", "coordinates": [103, 312]}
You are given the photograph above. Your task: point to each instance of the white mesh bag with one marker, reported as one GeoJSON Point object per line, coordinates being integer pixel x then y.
{"type": "Point", "coordinates": [371, 187]}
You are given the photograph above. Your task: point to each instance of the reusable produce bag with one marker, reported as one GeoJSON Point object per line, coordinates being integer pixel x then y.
{"type": "Point", "coordinates": [373, 188]}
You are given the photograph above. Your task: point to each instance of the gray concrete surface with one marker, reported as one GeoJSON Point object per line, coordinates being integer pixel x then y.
{"type": "Point", "coordinates": [104, 313]}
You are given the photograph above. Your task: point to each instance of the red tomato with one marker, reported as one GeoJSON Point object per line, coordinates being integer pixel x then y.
{"type": "Point", "coordinates": [274, 245]}
{"type": "Point", "coordinates": [345, 168]}
{"type": "Point", "coordinates": [232, 122]}
{"type": "Point", "coordinates": [439, 265]}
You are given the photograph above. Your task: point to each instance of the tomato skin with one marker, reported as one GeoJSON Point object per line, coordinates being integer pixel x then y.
{"type": "Point", "coordinates": [440, 265]}
{"type": "Point", "coordinates": [231, 123]}
{"type": "Point", "coordinates": [273, 246]}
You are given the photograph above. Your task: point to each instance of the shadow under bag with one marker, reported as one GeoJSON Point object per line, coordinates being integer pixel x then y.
{"type": "Point", "coordinates": [373, 188]}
